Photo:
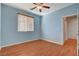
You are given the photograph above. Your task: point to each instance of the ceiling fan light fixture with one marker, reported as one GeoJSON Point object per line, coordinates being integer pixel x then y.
{"type": "Point", "coordinates": [39, 7]}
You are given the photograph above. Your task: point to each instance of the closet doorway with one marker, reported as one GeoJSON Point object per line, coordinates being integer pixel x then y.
{"type": "Point", "coordinates": [70, 27]}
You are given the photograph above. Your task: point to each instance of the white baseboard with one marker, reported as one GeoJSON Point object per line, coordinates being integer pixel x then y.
{"type": "Point", "coordinates": [53, 41]}
{"type": "Point", "coordinates": [18, 43]}
{"type": "Point", "coordinates": [31, 40]}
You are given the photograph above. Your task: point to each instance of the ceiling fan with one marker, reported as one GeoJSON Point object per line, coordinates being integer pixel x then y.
{"type": "Point", "coordinates": [40, 6]}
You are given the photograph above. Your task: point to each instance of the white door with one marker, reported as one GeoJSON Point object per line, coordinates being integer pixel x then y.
{"type": "Point", "coordinates": [70, 27]}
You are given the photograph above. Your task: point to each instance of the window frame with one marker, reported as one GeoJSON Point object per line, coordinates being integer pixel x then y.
{"type": "Point", "coordinates": [27, 24]}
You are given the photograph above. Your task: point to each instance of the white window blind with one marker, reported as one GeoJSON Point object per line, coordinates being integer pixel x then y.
{"type": "Point", "coordinates": [25, 23]}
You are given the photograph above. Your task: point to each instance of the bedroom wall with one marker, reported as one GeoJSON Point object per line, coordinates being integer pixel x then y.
{"type": "Point", "coordinates": [10, 35]}
{"type": "Point", "coordinates": [50, 28]}
{"type": "Point", "coordinates": [52, 23]}
{"type": "Point", "coordinates": [0, 25]}
{"type": "Point", "coordinates": [78, 24]}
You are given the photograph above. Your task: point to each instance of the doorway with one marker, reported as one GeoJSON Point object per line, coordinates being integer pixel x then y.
{"type": "Point", "coordinates": [70, 27]}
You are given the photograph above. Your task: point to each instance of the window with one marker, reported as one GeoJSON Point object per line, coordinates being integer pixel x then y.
{"type": "Point", "coordinates": [25, 23]}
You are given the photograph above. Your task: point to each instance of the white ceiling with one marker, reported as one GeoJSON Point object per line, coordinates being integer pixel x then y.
{"type": "Point", "coordinates": [27, 6]}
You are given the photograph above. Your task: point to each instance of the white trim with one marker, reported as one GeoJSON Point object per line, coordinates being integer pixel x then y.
{"type": "Point", "coordinates": [32, 40]}
{"type": "Point", "coordinates": [63, 21]}
{"type": "Point", "coordinates": [17, 43]}
{"type": "Point", "coordinates": [77, 31]}
{"type": "Point", "coordinates": [53, 41]}
{"type": "Point", "coordinates": [69, 15]}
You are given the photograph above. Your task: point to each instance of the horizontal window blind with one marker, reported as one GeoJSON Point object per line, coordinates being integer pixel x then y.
{"type": "Point", "coordinates": [25, 23]}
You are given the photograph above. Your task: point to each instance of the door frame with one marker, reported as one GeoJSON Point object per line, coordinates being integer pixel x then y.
{"type": "Point", "coordinates": [64, 25]}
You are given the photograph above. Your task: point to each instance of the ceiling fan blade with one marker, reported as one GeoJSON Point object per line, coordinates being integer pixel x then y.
{"type": "Point", "coordinates": [46, 7]}
{"type": "Point", "coordinates": [41, 3]}
{"type": "Point", "coordinates": [35, 3]}
{"type": "Point", "coordinates": [33, 8]}
{"type": "Point", "coordinates": [40, 10]}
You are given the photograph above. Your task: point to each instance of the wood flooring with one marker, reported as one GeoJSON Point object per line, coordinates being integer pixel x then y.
{"type": "Point", "coordinates": [41, 48]}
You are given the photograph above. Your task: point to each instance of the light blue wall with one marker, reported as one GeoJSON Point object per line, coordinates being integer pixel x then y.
{"type": "Point", "coordinates": [10, 35]}
{"type": "Point", "coordinates": [50, 28]}
{"type": "Point", "coordinates": [0, 25]}
{"type": "Point", "coordinates": [52, 24]}
{"type": "Point", "coordinates": [78, 24]}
